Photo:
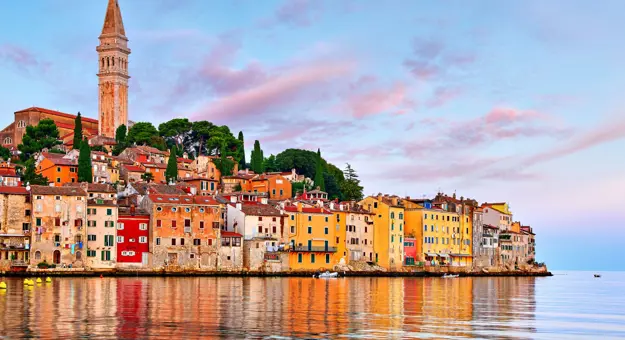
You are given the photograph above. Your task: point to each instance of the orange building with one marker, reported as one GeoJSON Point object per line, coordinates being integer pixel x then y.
{"type": "Point", "coordinates": [157, 170]}
{"type": "Point", "coordinates": [58, 169]}
{"type": "Point", "coordinates": [276, 186]}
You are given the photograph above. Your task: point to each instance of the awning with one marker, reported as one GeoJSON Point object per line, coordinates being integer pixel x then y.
{"type": "Point", "coordinates": [431, 254]}
{"type": "Point", "coordinates": [443, 255]}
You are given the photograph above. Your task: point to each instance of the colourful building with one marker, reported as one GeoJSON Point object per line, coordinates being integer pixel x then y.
{"type": "Point", "coordinates": [133, 230]}
{"type": "Point", "coordinates": [58, 232]}
{"type": "Point", "coordinates": [15, 215]}
{"type": "Point", "coordinates": [58, 169]}
{"type": "Point", "coordinates": [388, 231]}
{"type": "Point", "coordinates": [101, 221]}
{"type": "Point", "coordinates": [410, 251]}
{"type": "Point", "coordinates": [313, 240]}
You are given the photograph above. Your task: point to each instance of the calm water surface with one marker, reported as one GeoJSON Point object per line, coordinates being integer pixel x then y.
{"type": "Point", "coordinates": [571, 305]}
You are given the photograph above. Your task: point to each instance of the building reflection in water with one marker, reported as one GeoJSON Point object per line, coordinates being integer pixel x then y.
{"type": "Point", "coordinates": [293, 307]}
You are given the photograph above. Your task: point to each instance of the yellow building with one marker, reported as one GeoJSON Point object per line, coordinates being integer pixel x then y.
{"type": "Point", "coordinates": [388, 230]}
{"type": "Point", "coordinates": [313, 238]}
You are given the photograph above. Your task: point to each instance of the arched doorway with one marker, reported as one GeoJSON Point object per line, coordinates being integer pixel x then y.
{"type": "Point", "coordinates": [78, 256]}
{"type": "Point", "coordinates": [57, 257]}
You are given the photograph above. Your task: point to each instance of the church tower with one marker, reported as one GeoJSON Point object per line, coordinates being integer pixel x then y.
{"type": "Point", "coordinates": [113, 76]}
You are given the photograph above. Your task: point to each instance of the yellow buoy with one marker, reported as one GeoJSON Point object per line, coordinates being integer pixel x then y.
{"type": "Point", "coordinates": [31, 282]}
{"type": "Point", "coordinates": [26, 281]}
{"type": "Point", "coordinates": [3, 285]}
{"type": "Point", "coordinates": [48, 279]}
{"type": "Point", "coordinates": [38, 280]}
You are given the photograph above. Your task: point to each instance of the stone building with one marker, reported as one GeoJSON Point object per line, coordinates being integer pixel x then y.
{"type": "Point", "coordinates": [113, 75]}
{"type": "Point", "coordinates": [101, 234]}
{"type": "Point", "coordinates": [15, 213]}
{"type": "Point", "coordinates": [185, 231]}
{"type": "Point", "coordinates": [58, 233]}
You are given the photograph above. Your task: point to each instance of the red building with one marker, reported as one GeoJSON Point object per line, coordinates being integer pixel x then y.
{"type": "Point", "coordinates": [410, 251]}
{"type": "Point", "coordinates": [133, 230]}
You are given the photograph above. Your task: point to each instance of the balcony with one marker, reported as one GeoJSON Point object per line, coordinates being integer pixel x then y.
{"type": "Point", "coordinates": [187, 230]}
{"type": "Point", "coordinates": [314, 249]}
{"type": "Point", "coordinates": [18, 263]}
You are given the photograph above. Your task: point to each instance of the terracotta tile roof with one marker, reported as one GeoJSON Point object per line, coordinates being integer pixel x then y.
{"type": "Point", "coordinates": [125, 211]}
{"type": "Point", "coordinates": [197, 178]}
{"type": "Point", "coordinates": [230, 234]}
{"type": "Point", "coordinates": [57, 113]}
{"type": "Point", "coordinates": [13, 190]}
{"type": "Point", "coordinates": [61, 191]}
{"type": "Point", "coordinates": [154, 165]}
{"type": "Point", "coordinates": [128, 201]}
{"type": "Point", "coordinates": [308, 210]}
{"type": "Point", "coordinates": [8, 172]}
{"type": "Point", "coordinates": [133, 168]}
{"type": "Point", "coordinates": [94, 187]}
{"type": "Point", "coordinates": [489, 226]}
{"type": "Point", "coordinates": [162, 189]}
{"type": "Point", "coordinates": [172, 199]}
{"type": "Point", "coordinates": [148, 149]}
{"type": "Point", "coordinates": [184, 160]}
{"type": "Point", "coordinates": [259, 209]}
{"type": "Point", "coordinates": [205, 200]}
{"type": "Point", "coordinates": [63, 161]}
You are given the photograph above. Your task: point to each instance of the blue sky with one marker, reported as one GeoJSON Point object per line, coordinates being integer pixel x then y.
{"type": "Point", "coordinates": [517, 101]}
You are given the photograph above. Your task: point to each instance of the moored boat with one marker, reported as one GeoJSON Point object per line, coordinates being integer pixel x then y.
{"type": "Point", "coordinates": [450, 276]}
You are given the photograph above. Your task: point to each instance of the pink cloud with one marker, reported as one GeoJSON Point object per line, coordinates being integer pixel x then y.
{"type": "Point", "coordinates": [444, 95]}
{"type": "Point", "coordinates": [394, 100]}
{"type": "Point", "coordinates": [604, 133]}
{"type": "Point", "coordinates": [21, 58]}
{"type": "Point", "coordinates": [432, 60]}
{"type": "Point", "coordinates": [275, 91]}
{"type": "Point", "coordinates": [298, 13]}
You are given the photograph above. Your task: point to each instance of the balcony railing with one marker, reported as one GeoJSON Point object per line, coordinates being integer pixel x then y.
{"type": "Point", "coordinates": [19, 263]}
{"type": "Point", "coordinates": [314, 249]}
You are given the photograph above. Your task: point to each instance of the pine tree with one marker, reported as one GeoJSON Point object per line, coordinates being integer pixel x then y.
{"type": "Point", "coordinates": [171, 173]}
{"type": "Point", "coordinates": [257, 158]}
{"type": "Point", "coordinates": [241, 151]}
{"type": "Point", "coordinates": [31, 177]}
{"type": "Point", "coordinates": [85, 170]}
{"type": "Point", "coordinates": [319, 181]}
{"type": "Point", "coordinates": [351, 188]}
{"type": "Point", "coordinates": [77, 131]}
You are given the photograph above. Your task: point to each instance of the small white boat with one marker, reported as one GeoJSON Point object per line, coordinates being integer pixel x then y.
{"type": "Point", "coordinates": [449, 276]}
{"type": "Point", "coordinates": [597, 275]}
{"type": "Point", "coordinates": [328, 275]}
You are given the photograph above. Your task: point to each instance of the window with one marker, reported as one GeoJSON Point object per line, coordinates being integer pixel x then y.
{"type": "Point", "coordinates": [196, 241]}
{"type": "Point", "coordinates": [174, 209]}
{"type": "Point", "coordinates": [392, 215]}
{"type": "Point", "coordinates": [181, 241]}
{"type": "Point", "coordinates": [392, 238]}
{"type": "Point", "coordinates": [312, 258]}
{"type": "Point", "coordinates": [91, 237]}
{"type": "Point", "coordinates": [260, 228]}
{"type": "Point", "coordinates": [159, 223]}
{"type": "Point", "coordinates": [173, 241]}
{"type": "Point", "coordinates": [120, 239]}
{"type": "Point", "coordinates": [425, 227]}
{"type": "Point", "coordinates": [142, 226]}
{"type": "Point", "coordinates": [108, 240]}
{"type": "Point", "coordinates": [327, 258]}
{"type": "Point", "coordinates": [337, 217]}
{"type": "Point", "coordinates": [326, 231]}
{"type": "Point", "coordinates": [392, 226]}
{"type": "Point", "coordinates": [143, 239]}
{"type": "Point", "coordinates": [106, 255]}
{"type": "Point", "coordinates": [201, 210]}
{"type": "Point", "coordinates": [173, 224]}
{"type": "Point", "coordinates": [292, 229]}
{"type": "Point", "coordinates": [57, 221]}
{"type": "Point", "coordinates": [201, 224]}
{"type": "Point", "coordinates": [90, 253]}
{"type": "Point", "coordinates": [309, 229]}
{"type": "Point", "coordinates": [109, 212]}
{"type": "Point", "coordinates": [292, 217]}
{"type": "Point", "coordinates": [309, 218]}
{"type": "Point", "coordinates": [159, 209]}
{"type": "Point", "coordinates": [58, 169]}
{"type": "Point", "coordinates": [375, 205]}
{"type": "Point", "coordinates": [273, 229]}
{"type": "Point", "coordinates": [158, 240]}
{"type": "Point", "coordinates": [299, 258]}
{"type": "Point", "coordinates": [273, 192]}
{"type": "Point", "coordinates": [281, 192]}
{"type": "Point", "coordinates": [187, 223]}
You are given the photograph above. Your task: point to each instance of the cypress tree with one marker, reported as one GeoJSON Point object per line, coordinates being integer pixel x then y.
{"type": "Point", "coordinates": [77, 131]}
{"type": "Point", "coordinates": [85, 170]}
{"type": "Point", "coordinates": [171, 174]}
{"type": "Point", "coordinates": [319, 182]}
{"type": "Point", "coordinates": [241, 151]}
{"type": "Point", "coordinates": [257, 158]}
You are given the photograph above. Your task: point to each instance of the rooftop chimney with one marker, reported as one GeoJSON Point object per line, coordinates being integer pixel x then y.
{"type": "Point", "coordinates": [132, 209]}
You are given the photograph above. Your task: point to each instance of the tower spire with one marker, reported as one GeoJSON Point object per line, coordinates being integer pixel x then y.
{"type": "Point", "coordinates": [113, 24]}
{"type": "Point", "coordinates": [113, 53]}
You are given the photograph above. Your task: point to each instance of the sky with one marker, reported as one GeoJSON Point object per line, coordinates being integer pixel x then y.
{"type": "Point", "coordinates": [517, 101]}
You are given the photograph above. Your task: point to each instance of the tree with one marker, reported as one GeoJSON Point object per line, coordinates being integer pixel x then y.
{"type": "Point", "coordinates": [200, 133]}
{"type": "Point", "coordinates": [157, 142]}
{"type": "Point", "coordinates": [142, 133]}
{"type": "Point", "coordinates": [5, 153]}
{"type": "Point", "coordinates": [30, 176]}
{"type": "Point", "coordinates": [237, 187]}
{"type": "Point", "coordinates": [319, 180]}
{"type": "Point", "coordinates": [77, 131]}
{"type": "Point", "coordinates": [256, 161]}
{"type": "Point", "coordinates": [85, 170]}
{"type": "Point", "coordinates": [298, 187]}
{"type": "Point", "coordinates": [303, 161]}
{"type": "Point", "coordinates": [351, 188]}
{"type": "Point", "coordinates": [332, 187]}
{"type": "Point", "coordinates": [270, 164]}
{"type": "Point", "coordinates": [224, 164]}
{"type": "Point", "coordinates": [176, 130]}
{"type": "Point", "coordinates": [121, 139]}
{"type": "Point", "coordinates": [147, 177]}
{"type": "Point", "coordinates": [44, 135]}
{"type": "Point", "coordinates": [171, 173]}
{"type": "Point", "coordinates": [241, 151]}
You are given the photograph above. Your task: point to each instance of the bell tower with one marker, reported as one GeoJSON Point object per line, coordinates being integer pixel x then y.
{"type": "Point", "coordinates": [113, 76]}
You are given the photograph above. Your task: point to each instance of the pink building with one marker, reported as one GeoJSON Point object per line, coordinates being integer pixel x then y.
{"type": "Point", "coordinates": [410, 251]}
